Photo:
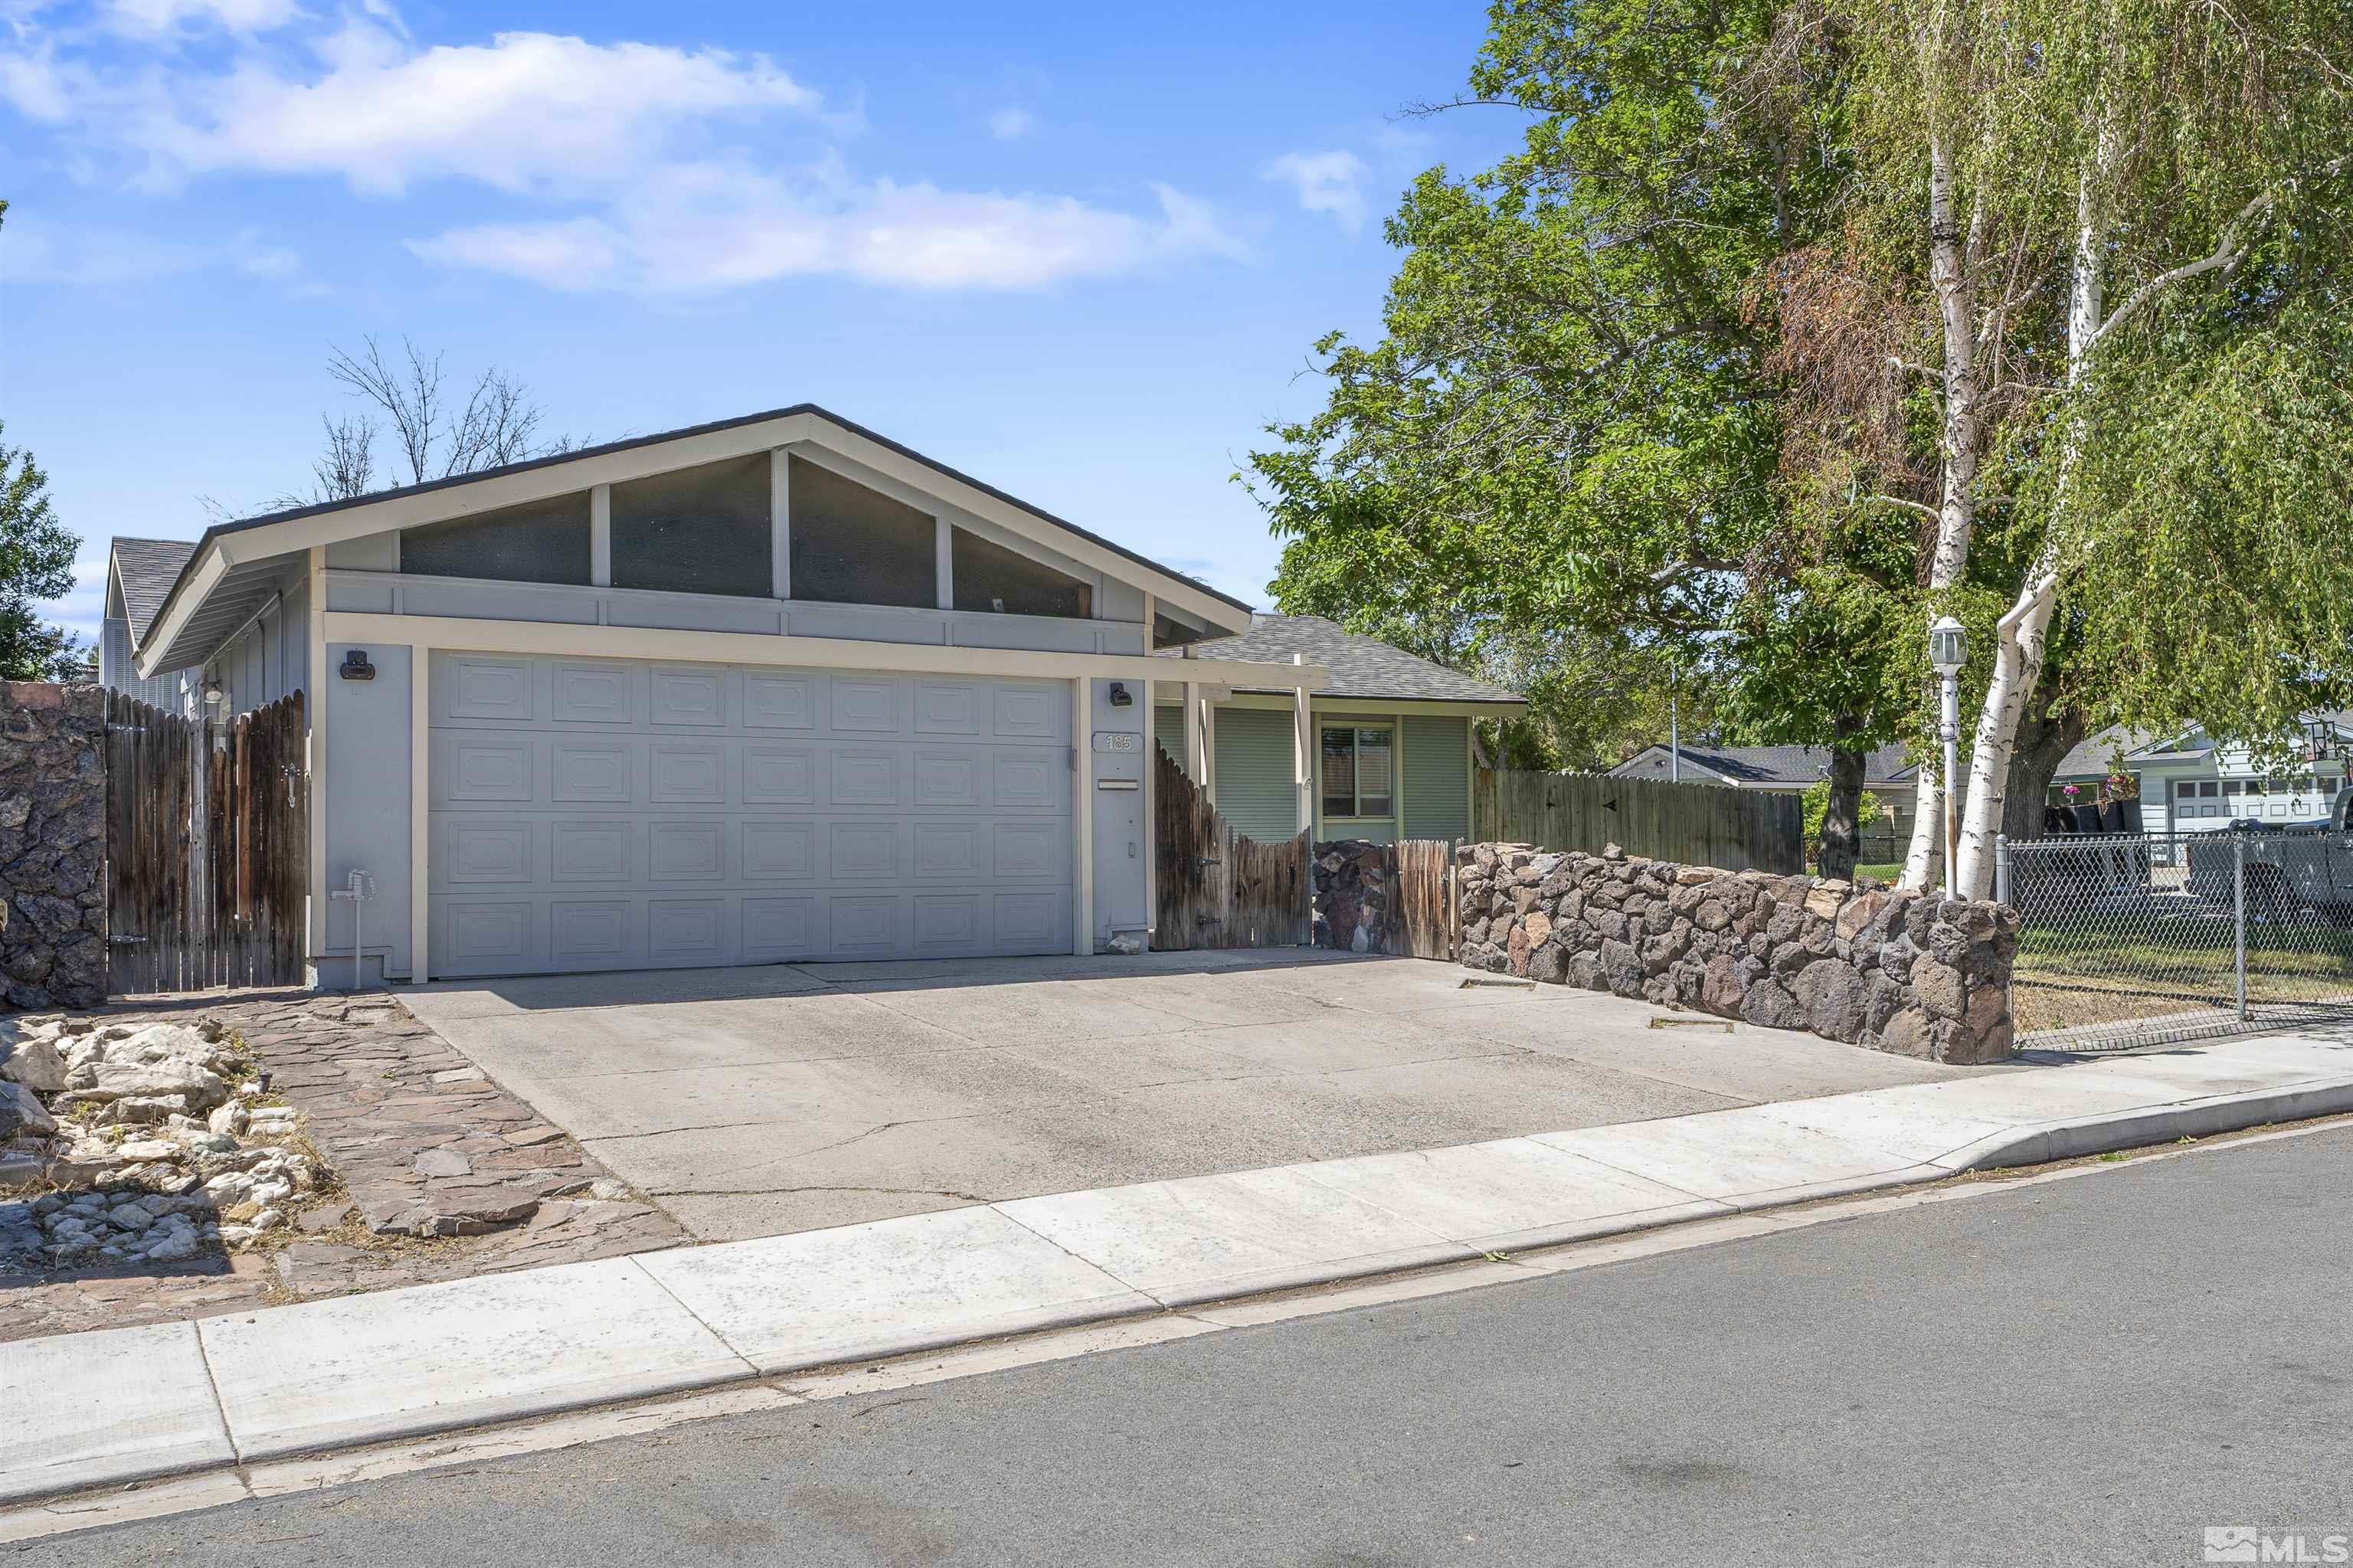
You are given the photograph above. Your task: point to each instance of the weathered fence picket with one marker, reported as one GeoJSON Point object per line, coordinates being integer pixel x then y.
{"type": "Point", "coordinates": [207, 848]}
{"type": "Point", "coordinates": [1216, 887]}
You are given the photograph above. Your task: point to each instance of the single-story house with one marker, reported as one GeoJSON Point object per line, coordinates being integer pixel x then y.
{"type": "Point", "coordinates": [1887, 772]}
{"type": "Point", "coordinates": [771, 689]}
{"type": "Point", "coordinates": [2190, 783]}
{"type": "Point", "coordinates": [1387, 736]}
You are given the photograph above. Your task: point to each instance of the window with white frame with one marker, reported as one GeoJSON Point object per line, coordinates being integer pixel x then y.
{"type": "Point", "coordinates": [1359, 770]}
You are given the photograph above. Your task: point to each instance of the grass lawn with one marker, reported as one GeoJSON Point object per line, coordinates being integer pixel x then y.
{"type": "Point", "coordinates": [1887, 872]}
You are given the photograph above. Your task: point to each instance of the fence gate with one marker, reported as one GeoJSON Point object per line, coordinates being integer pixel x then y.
{"type": "Point", "coordinates": [1424, 909]}
{"type": "Point", "coordinates": [207, 848]}
{"type": "Point", "coordinates": [1216, 887]}
{"type": "Point", "coordinates": [2139, 938]}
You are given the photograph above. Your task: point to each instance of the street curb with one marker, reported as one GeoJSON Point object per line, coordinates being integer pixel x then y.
{"type": "Point", "coordinates": [496, 1349]}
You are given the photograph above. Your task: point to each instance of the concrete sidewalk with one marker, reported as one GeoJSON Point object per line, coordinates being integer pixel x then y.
{"type": "Point", "coordinates": [116, 1405]}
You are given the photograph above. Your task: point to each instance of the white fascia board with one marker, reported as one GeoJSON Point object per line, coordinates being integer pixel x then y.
{"type": "Point", "coordinates": [572, 640]}
{"type": "Point", "coordinates": [204, 577]}
{"type": "Point", "coordinates": [538, 484]}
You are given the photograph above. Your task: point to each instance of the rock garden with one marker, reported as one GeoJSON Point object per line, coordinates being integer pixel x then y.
{"type": "Point", "coordinates": [178, 1160]}
{"type": "Point", "coordinates": [144, 1144]}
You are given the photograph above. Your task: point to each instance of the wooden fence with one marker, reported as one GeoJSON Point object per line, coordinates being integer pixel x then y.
{"type": "Point", "coordinates": [1216, 887]}
{"type": "Point", "coordinates": [1424, 908]}
{"type": "Point", "coordinates": [207, 848]}
{"type": "Point", "coordinates": [1695, 824]}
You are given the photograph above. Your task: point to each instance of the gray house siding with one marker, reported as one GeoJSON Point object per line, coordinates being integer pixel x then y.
{"type": "Point", "coordinates": [1253, 759]}
{"type": "Point", "coordinates": [1437, 757]}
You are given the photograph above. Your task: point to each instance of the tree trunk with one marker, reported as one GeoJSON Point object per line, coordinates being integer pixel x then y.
{"type": "Point", "coordinates": [1842, 817]}
{"type": "Point", "coordinates": [1952, 259]}
{"type": "Point", "coordinates": [2018, 647]}
{"type": "Point", "coordinates": [2044, 742]}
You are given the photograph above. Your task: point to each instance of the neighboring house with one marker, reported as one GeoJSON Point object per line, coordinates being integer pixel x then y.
{"type": "Point", "coordinates": [1380, 749]}
{"type": "Point", "coordinates": [1784, 769]}
{"type": "Point", "coordinates": [138, 573]}
{"type": "Point", "coordinates": [2189, 783]}
{"type": "Point", "coordinates": [771, 689]}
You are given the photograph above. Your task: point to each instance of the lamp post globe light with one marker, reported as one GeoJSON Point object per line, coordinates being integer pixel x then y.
{"type": "Point", "coordinates": [1948, 650]}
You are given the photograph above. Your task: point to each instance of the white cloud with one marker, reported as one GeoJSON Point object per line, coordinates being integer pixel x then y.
{"type": "Point", "coordinates": [97, 256]}
{"type": "Point", "coordinates": [729, 229]}
{"type": "Point", "coordinates": [1326, 182]}
{"type": "Point", "coordinates": [169, 15]}
{"type": "Point", "coordinates": [1012, 124]}
{"type": "Point", "coordinates": [626, 158]}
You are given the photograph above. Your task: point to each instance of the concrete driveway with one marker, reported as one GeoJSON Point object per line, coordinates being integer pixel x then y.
{"type": "Point", "coordinates": [756, 1101]}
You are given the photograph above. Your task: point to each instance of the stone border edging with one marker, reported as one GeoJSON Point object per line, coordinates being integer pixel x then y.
{"type": "Point", "coordinates": [117, 1405]}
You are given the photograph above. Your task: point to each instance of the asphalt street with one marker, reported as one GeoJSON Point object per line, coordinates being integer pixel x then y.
{"type": "Point", "coordinates": [2092, 1370]}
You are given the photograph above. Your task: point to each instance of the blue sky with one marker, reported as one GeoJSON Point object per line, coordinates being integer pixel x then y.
{"type": "Point", "coordinates": [1078, 252]}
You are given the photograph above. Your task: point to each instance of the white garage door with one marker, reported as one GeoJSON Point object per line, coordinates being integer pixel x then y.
{"type": "Point", "coordinates": [594, 815]}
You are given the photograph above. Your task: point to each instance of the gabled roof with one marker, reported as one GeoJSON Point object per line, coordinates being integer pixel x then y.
{"type": "Point", "coordinates": [147, 568]}
{"type": "Point", "coordinates": [1770, 766]}
{"type": "Point", "coordinates": [250, 540]}
{"type": "Point", "coordinates": [2092, 756]}
{"type": "Point", "coordinates": [1360, 666]}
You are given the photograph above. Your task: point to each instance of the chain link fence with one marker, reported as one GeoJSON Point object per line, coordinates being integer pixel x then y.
{"type": "Point", "coordinates": [2135, 939]}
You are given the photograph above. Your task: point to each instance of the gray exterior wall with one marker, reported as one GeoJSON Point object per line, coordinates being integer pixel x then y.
{"type": "Point", "coordinates": [270, 658]}
{"type": "Point", "coordinates": [365, 798]}
{"type": "Point", "coordinates": [1121, 833]}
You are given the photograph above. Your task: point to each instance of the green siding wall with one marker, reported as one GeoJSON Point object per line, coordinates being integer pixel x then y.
{"type": "Point", "coordinates": [1436, 779]}
{"type": "Point", "coordinates": [1169, 726]}
{"type": "Point", "coordinates": [1253, 759]}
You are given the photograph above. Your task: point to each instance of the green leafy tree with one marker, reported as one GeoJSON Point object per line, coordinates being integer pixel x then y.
{"type": "Point", "coordinates": [1567, 455]}
{"type": "Point", "coordinates": [36, 557]}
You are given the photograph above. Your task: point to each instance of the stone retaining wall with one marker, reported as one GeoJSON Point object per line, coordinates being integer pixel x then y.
{"type": "Point", "coordinates": [53, 844]}
{"type": "Point", "coordinates": [1916, 974]}
{"type": "Point", "coordinates": [1354, 900]}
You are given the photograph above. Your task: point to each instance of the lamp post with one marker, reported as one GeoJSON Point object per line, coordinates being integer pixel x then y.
{"type": "Point", "coordinates": [1948, 650]}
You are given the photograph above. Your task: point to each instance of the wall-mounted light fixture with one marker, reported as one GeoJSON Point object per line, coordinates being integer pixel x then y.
{"type": "Point", "coordinates": [355, 666]}
{"type": "Point", "coordinates": [1121, 697]}
{"type": "Point", "coordinates": [212, 692]}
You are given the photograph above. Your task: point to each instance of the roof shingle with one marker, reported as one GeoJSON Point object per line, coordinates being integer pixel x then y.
{"type": "Point", "coordinates": [1360, 666]}
{"type": "Point", "coordinates": [1768, 765]}
{"type": "Point", "coordinates": [148, 569]}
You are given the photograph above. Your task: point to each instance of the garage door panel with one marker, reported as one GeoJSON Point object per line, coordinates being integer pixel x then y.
{"type": "Point", "coordinates": [1029, 922]}
{"type": "Point", "coordinates": [688, 931]}
{"type": "Point", "coordinates": [949, 777]}
{"type": "Point", "coordinates": [590, 849]}
{"type": "Point", "coordinates": [779, 851]}
{"type": "Point", "coordinates": [478, 771]}
{"type": "Point", "coordinates": [597, 772]}
{"type": "Point", "coordinates": [593, 693]}
{"type": "Point", "coordinates": [779, 701]}
{"type": "Point", "coordinates": [775, 930]}
{"type": "Point", "coordinates": [685, 850]}
{"type": "Point", "coordinates": [1029, 780]}
{"type": "Point", "coordinates": [779, 776]}
{"type": "Point", "coordinates": [692, 695]}
{"type": "Point", "coordinates": [592, 813]}
{"type": "Point", "coordinates": [865, 926]}
{"type": "Point", "coordinates": [488, 689]}
{"type": "Point", "coordinates": [685, 773]}
{"type": "Point", "coordinates": [863, 775]}
{"type": "Point", "coordinates": [589, 932]}
{"type": "Point", "coordinates": [864, 707]}
{"type": "Point", "coordinates": [475, 851]}
{"type": "Point", "coordinates": [1030, 714]}
{"type": "Point", "coordinates": [863, 851]}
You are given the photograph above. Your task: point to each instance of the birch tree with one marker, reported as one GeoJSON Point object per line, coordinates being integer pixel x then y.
{"type": "Point", "coordinates": [2205, 157]}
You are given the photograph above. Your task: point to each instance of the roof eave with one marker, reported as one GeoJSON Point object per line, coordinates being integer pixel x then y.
{"type": "Point", "coordinates": [226, 545]}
